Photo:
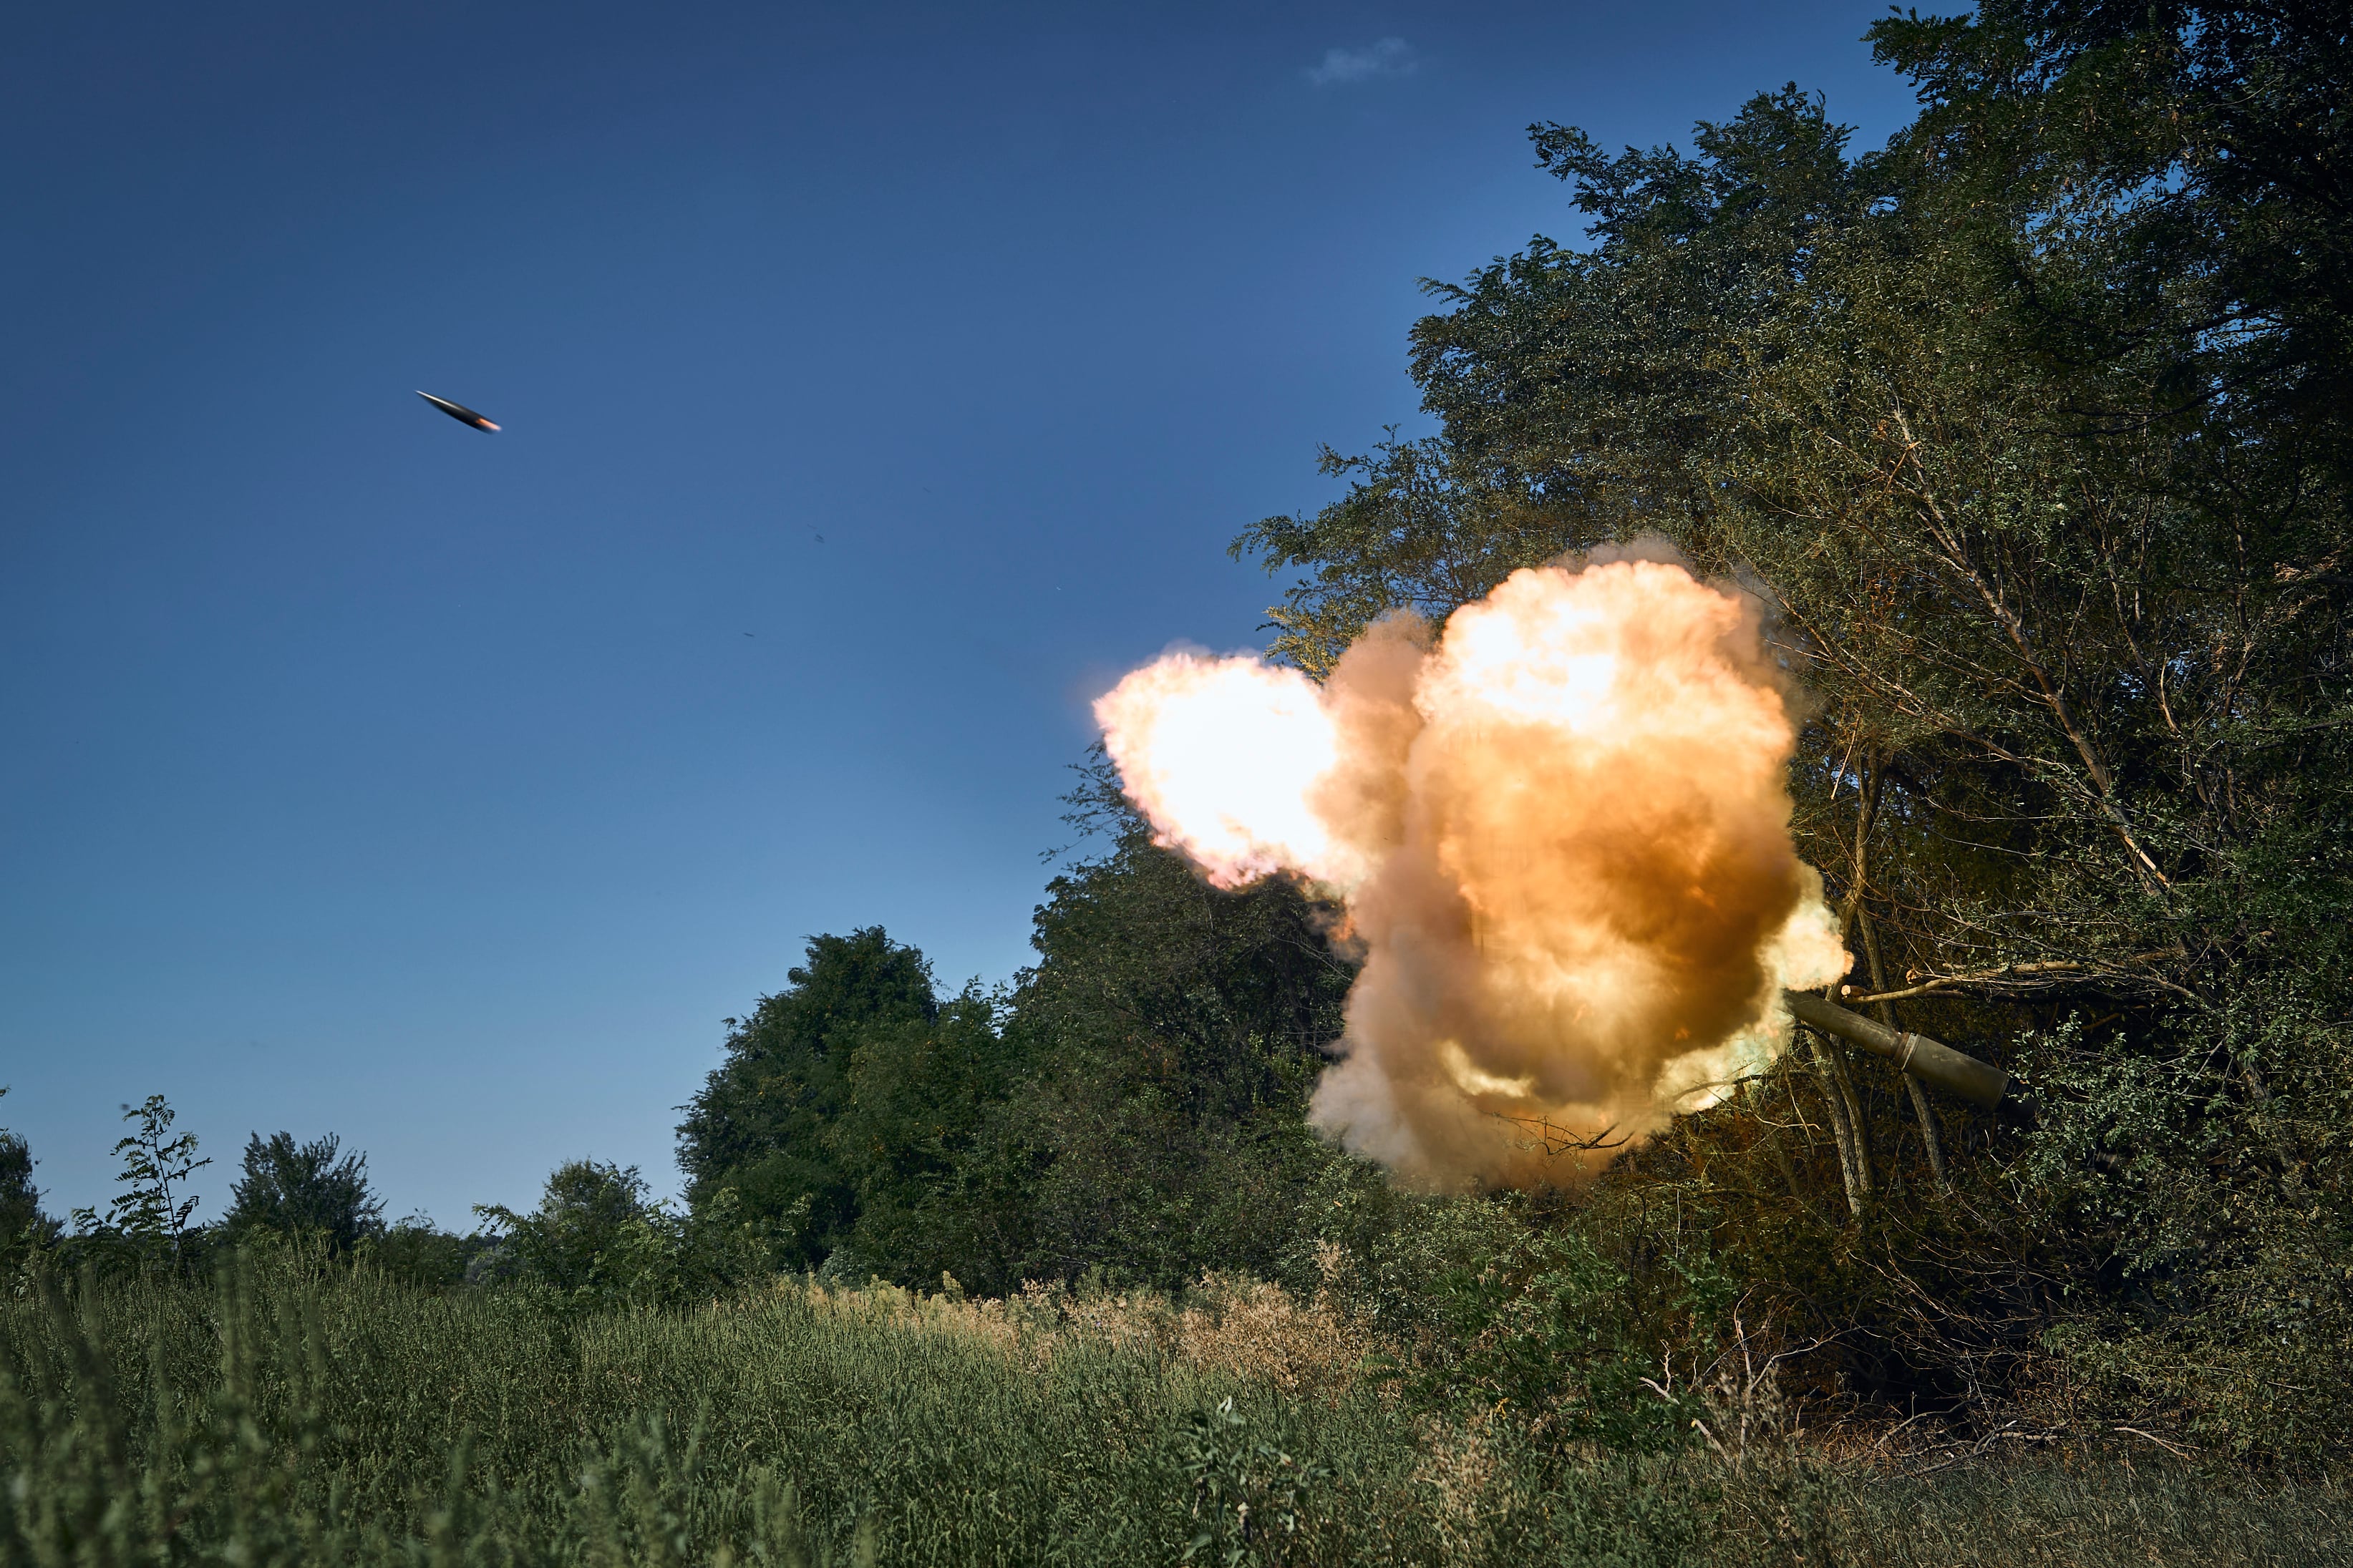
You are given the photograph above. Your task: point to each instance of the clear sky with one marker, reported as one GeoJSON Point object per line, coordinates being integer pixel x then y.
{"type": "Point", "coordinates": [879, 382]}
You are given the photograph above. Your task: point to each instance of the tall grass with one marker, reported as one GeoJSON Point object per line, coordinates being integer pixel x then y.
{"type": "Point", "coordinates": [341, 1418]}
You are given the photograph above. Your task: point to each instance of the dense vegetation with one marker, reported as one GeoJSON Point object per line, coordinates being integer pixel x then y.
{"type": "Point", "coordinates": [2034, 430]}
{"type": "Point", "coordinates": [2031, 430]}
{"type": "Point", "coordinates": [276, 1417]}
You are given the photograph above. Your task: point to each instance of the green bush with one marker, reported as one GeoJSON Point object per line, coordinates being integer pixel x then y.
{"type": "Point", "coordinates": [596, 1243]}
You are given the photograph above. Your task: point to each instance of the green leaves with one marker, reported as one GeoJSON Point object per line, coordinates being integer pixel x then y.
{"type": "Point", "coordinates": [595, 1244]}
{"type": "Point", "coordinates": [1252, 1500]}
{"type": "Point", "coordinates": [1169, 1034]}
{"type": "Point", "coordinates": [146, 1222]}
{"type": "Point", "coordinates": [2032, 432]}
{"type": "Point", "coordinates": [23, 1227]}
{"type": "Point", "coordinates": [305, 1189]}
{"type": "Point", "coordinates": [760, 1125]}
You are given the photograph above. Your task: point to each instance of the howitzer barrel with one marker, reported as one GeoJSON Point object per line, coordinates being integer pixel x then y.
{"type": "Point", "coordinates": [1932, 1061]}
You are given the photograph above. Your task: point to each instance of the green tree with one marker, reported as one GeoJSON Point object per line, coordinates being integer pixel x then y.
{"type": "Point", "coordinates": [919, 1094]}
{"type": "Point", "coordinates": [2210, 145]}
{"type": "Point", "coordinates": [574, 1242]}
{"type": "Point", "coordinates": [1165, 1041]}
{"type": "Point", "coordinates": [148, 1217]}
{"type": "Point", "coordinates": [23, 1227]}
{"type": "Point", "coordinates": [2031, 429]}
{"type": "Point", "coordinates": [414, 1249]}
{"type": "Point", "coordinates": [596, 1242]}
{"type": "Point", "coordinates": [1131, 1107]}
{"type": "Point", "coordinates": [304, 1189]}
{"type": "Point", "coordinates": [760, 1126]}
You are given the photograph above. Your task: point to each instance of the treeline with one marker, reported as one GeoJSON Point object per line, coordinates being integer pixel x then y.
{"type": "Point", "coordinates": [2034, 430]}
{"type": "Point", "coordinates": [289, 1193]}
{"type": "Point", "coordinates": [1132, 1107]}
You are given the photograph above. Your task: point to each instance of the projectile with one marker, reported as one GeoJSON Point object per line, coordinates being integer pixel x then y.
{"type": "Point", "coordinates": [457, 410]}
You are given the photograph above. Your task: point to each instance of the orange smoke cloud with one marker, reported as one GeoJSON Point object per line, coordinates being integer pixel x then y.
{"type": "Point", "coordinates": [1561, 830]}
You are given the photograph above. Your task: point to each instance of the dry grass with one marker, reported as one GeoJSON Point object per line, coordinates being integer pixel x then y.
{"type": "Point", "coordinates": [1227, 1324]}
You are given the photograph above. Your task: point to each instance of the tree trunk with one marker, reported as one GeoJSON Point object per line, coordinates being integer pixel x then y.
{"type": "Point", "coordinates": [1886, 1011]}
{"type": "Point", "coordinates": [1853, 1171]}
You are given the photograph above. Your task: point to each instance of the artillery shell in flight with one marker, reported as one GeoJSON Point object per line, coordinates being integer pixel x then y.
{"type": "Point", "coordinates": [457, 410]}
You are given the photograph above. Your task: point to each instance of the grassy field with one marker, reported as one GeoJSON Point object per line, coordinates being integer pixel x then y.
{"type": "Point", "coordinates": [346, 1419]}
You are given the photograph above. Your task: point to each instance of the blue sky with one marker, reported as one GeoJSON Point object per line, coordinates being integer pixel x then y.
{"type": "Point", "coordinates": [878, 384]}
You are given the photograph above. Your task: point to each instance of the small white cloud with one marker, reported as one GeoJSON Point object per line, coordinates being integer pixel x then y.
{"type": "Point", "coordinates": [1382, 56]}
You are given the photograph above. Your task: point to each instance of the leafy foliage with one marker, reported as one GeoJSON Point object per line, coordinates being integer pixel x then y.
{"type": "Point", "coordinates": [1252, 1497]}
{"type": "Point", "coordinates": [146, 1222]}
{"type": "Point", "coordinates": [1133, 1107]}
{"type": "Point", "coordinates": [1170, 1033]}
{"type": "Point", "coordinates": [759, 1127]}
{"type": "Point", "coordinates": [304, 1189]}
{"type": "Point", "coordinates": [595, 1242]}
{"type": "Point", "coordinates": [417, 1252]}
{"type": "Point", "coordinates": [2030, 431]}
{"type": "Point", "coordinates": [921, 1094]}
{"type": "Point", "coordinates": [23, 1227]}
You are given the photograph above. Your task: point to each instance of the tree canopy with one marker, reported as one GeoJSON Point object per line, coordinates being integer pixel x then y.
{"type": "Point", "coordinates": [305, 1189]}
{"type": "Point", "coordinates": [22, 1226]}
{"type": "Point", "coordinates": [759, 1126]}
{"type": "Point", "coordinates": [2029, 430]}
{"type": "Point", "coordinates": [1131, 1106]}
